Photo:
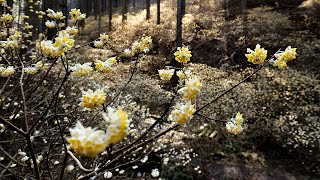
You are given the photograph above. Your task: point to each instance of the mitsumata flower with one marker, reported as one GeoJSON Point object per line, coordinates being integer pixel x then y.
{"type": "Point", "coordinates": [87, 141]}
{"type": "Point", "coordinates": [166, 74]}
{"type": "Point", "coordinates": [80, 70]}
{"type": "Point", "coordinates": [257, 56]}
{"type": "Point", "coordinates": [92, 99]}
{"type": "Point", "coordinates": [6, 72]}
{"type": "Point", "coordinates": [191, 89]}
{"type": "Point", "coordinates": [284, 57]}
{"type": "Point", "coordinates": [182, 113]}
{"type": "Point", "coordinates": [235, 125]}
{"type": "Point", "coordinates": [182, 55]}
{"type": "Point", "coordinates": [105, 66]}
{"type": "Point", "coordinates": [118, 124]}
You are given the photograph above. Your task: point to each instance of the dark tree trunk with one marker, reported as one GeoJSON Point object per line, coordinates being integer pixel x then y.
{"type": "Point", "coordinates": [183, 7]}
{"type": "Point", "coordinates": [99, 12]}
{"type": "Point", "coordinates": [179, 23]}
{"type": "Point", "coordinates": [158, 11]}
{"type": "Point", "coordinates": [134, 4]}
{"type": "Point", "coordinates": [148, 9]}
{"type": "Point", "coordinates": [124, 10]}
{"type": "Point", "coordinates": [110, 15]}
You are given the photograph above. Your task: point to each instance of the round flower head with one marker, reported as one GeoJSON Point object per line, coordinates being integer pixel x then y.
{"type": "Point", "coordinates": [72, 30]}
{"type": "Point", "coordinates": [50, 24]}
{"type": "Point", "coordinates": [128, 53]}
{"type": "Point", "coordinates": [257, 56]}
{"type": "Point", "coordinates": [105, 66]}
{"type": "Point", "coordinates": [98, 44]}
{"type": "Point", "coordinates": [92, 99]}
{"type": "Point", "coordinates": [183, 74]}
{"type": "Point", "coordinates": [80, 70]}
{"type": "Point", "coordinates": [118, 124]}
{"type": "Point", "coordinates": [6, 18]}
{"type": "Point", "coordinates": [166, 74]}
{"type": "Point", "coordinates": [284, 57]}
{"type": "Point", "coordinates": [191, 89]}
{"type": "Point", "coordinates": [235, 125]}
{"type": "Point", "coordinates": [182, 55]}
{"type": "Point", "coordinates": [74, 13]}
{"type": "Point", "coordinates": [6, 72]}
{"type": "Point", "coordinates": [183, 113]}
{"type": "Point", "coordinates": [87, 141]}
{"type": "Point", "coordinates": [104, 37]}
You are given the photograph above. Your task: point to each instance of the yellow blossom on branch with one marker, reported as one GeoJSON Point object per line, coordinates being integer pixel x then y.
{"type": "Point", "coordinates": [87, 141]}
{"type": "Point", "coordinates": [166, 74]}
{"type": "Point", "coordinates": [235, 125]}
{"type": "Point", "coordinates": [182, 55]}
{"type": "Point", "coordinates": [191, 89]}
{"type": "Point", "coordinates": [257, 56]}
{"type": "Point", "coordinates": [182, 113]}
{"type": "Point", "coordinates": [92, 99]}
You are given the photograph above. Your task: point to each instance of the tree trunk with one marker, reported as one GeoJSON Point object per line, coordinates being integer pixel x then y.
{"type": "Point", "coordinates": [99, 11]}
{"type": "Point", "coordinates": [110, 15]}
{"type": "Point", "coordinates": [183, 7]}
{"type": "Point", "coordinates": [148, 9]}
{"type": "Point", "coordinates": [179, 24]}
{"type": "Point", "coordinates": [124, 10]}
{"type": "Point", "coordinates": [134, 4]}
{"type": "Point", "coordinates": [65, 12]}
{"type": "Point", "coordinates": [158, 11]}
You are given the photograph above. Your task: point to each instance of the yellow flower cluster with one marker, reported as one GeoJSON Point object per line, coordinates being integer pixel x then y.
{"type": "Point", "coordinates": [92, 99]}
{"type": "Point", "coordinates": [50, 24]}
{"type": "Point", "coordinates": [55, 15]}
{"type": "Point", "coordinates": [105, 66]}
{"type": "Point", "coordinates": [87, 141]}
{"type": "Point", "coordinates": [182, 113]}
{"type": "Point", "coordinates": [257, 56]}
{"type": "Point", "coordinates": [235, 125]}
{"type": "Point", "coordinates": [103, 39]}
{"type": "Point", "coordinates": [34, 69]}
{"type": "Point", "coordinates": [284, 57]}
{"type": "Point", "coordinates": [183, 55]}
{"type": "Point", "coordinates": [6, 72]}
{"type": "Point", "coordinates": [72, 31]}
{"type": "Point", "coordinates": [6, 18]}
{"type": "Point", "coordinates": [80, 70]}
{"type": "Point", "coordinates": [166, 74]}
{"type": "Point", "coordinates": [139, 46]}
{"type": "Point", "coordinates": [62, 44]}
{"type": "Point", "coordinates": [191, 89]}
{"type": "Point", "coordinates": [184, 74]}
{"type": "Point", "coordinates": [118, 125]}
{"type": "Point", "coordinates": [9, 44]}
{"type": "Point", "coordinates": [75, 14]}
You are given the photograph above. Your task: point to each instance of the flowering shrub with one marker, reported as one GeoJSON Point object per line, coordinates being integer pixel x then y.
{"type": "Point", "coordinates": [52, 117]}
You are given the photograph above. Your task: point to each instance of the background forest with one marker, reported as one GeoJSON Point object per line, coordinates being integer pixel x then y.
{"type": "Point", "coordinates": [109, 58]}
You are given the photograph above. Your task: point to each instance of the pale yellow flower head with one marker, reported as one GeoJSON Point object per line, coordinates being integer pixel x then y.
{"type": "Point", "coordinates": [75, 13]}
{"type": "Point", "coordinates": [6, 18]}
{"type": "Point", "coordinates": [87, 141]}
{"type": "Point", "coordinates": [166, 74]}
{"type": "Point", "coordinates": [98, 44]}
{"type": "Point", "coordinates": [257, 56]}
{"type": "Point", "coordinates": [118, 124]}
{"type": "Point", "coordinates": [235, 125]}
{"type": "Point", "coordinates": [105, 66]}
{"type": "Point", "coordinates": [92, 99]}
{"type": "Point", "coordinates": [80, 70]}
{"type": "Point", "coordinates": [182, 113]}
{"type": "Point", "coordinates": [284, 57]}
{"type": "Point", "coordinates": [191, 89]}
{"type": "Point", "coordinates": [104, 37]}
{"type": "Point", "coordinates": [6, 72]}
{"type": "Point", "coordinates": [183, 55]}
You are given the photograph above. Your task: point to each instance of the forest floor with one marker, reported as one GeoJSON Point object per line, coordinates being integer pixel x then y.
{"type": "Point", "coordinates": [218, 45]}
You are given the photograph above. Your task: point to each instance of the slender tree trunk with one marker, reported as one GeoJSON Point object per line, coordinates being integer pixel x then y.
{"type": "Point", "coordinates": [148, 9]}
{"type": "Point", "coordinates": [110, 15]}
{"type": "Point", "coordinates": [183, 7]}
{"type": "Point", "coordinates": [158, 11]}
{"type": "Point", "coordinates": [134, 4]}
{"type": "Point", "coordinates": [99, 11]}
{"type": "Point", "coordinates": [124, 10]}
{"type": "Point", "coordinates": [65, 12]}
{"type": "Point", "coordinates": [179, 23]}
{"type": "Point", "coordinates": [95, 9]}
